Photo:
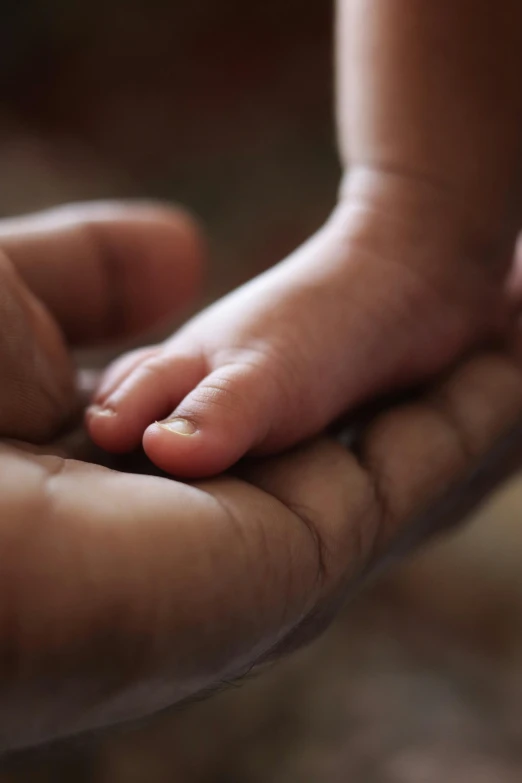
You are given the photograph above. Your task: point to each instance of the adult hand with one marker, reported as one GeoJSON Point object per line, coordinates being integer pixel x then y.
{"type": "Point", "coordinates": [124, 594]}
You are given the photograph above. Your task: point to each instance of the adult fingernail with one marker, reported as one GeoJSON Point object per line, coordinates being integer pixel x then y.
{"type": "Point", "coordinates": [178, 425]}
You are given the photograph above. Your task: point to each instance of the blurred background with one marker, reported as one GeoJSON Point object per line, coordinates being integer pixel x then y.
{"type": "Point", "coordinates": [226, 107]}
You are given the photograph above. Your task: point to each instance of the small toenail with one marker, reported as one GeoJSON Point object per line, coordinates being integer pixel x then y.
{"type": "Point", "coordinates": [179, 426]}
{"type": "Point", "coordinates": [99, 410]}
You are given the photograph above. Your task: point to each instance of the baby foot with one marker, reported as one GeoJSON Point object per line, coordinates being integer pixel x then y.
{"type": "Point", "coordinates": [365, 305]}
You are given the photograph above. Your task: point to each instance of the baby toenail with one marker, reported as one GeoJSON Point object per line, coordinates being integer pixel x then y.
{"type": "Point", "coordinates": [179, 426]}
{"type": "Point", "coordinates": [99, 410]}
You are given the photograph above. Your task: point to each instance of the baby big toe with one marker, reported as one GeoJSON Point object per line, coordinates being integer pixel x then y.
{"type": "Point", "coordinates": [217, 423]}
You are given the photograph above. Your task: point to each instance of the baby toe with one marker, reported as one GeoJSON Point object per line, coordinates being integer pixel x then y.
{"type": "Point", "coordinates": [138, 395]}
{"type": "Point", "coordinates": [225, 416]}
{"type": "Point", "coordinates": [120, 369]}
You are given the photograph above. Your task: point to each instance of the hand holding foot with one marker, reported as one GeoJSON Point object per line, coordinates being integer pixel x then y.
{"type": "Point", "coordinates": [129, 593]}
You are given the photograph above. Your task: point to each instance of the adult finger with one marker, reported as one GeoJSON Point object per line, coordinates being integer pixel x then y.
{"type": "Point", "coordinates": [106, 270]}
{"type": "Point", "coordinates": [36, 376]}
{"type": "Point", "coordinates": [417, 469]}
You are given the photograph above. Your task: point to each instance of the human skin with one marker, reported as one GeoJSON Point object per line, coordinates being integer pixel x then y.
{"type": "Point", "coordinates": [403, 277]}
{"type": "Point", "coordinates": [74, 276]}
{"type": "Point", "coordinates": [125, 594]}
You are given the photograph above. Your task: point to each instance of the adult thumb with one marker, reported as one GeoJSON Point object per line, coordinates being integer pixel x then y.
{"type": "Point", "coordinates": [36, 377]}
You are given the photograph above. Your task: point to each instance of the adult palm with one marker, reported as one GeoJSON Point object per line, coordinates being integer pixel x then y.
{"type": "Point", "coordinates": [125, 593]}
